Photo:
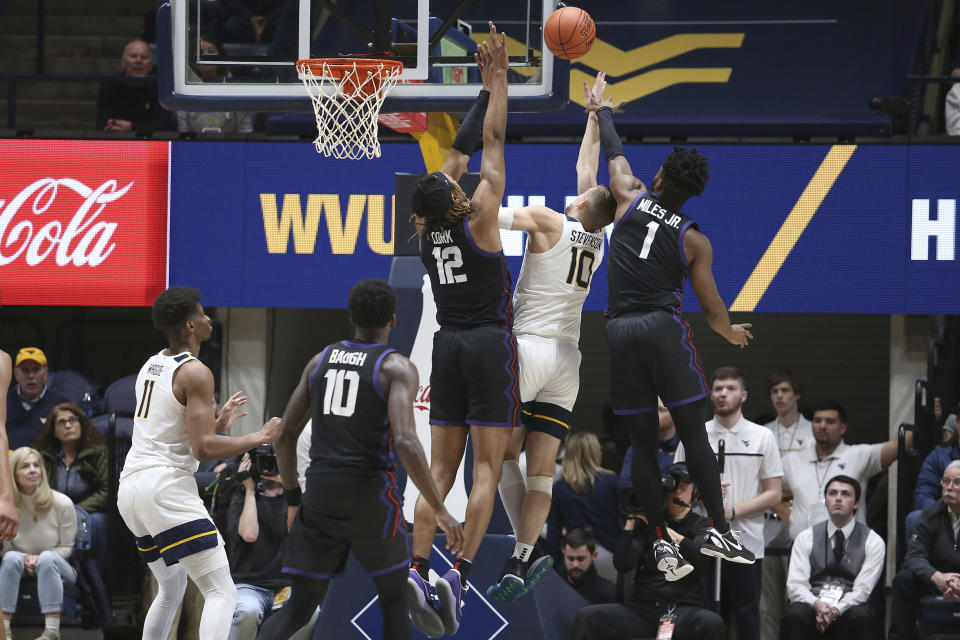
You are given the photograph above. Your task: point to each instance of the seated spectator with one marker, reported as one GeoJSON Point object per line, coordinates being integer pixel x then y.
{"type": "Point", "coordinates": [932, 564]}
{"type": "Point", "coordinates": [30, 401]}
{"type": "Point", "coordinates": [212, 121]}
{"type": "Point", "coordinates": [48, 526]}
{"type": "Point", "coordinates": [127, 104]}
{"type": "Point", "coordinates": [256, 534]}
{"type": "Point", "coordinates": [834, 567]}
{"type": "Point", "coordinates": [928, 480]}
{"type": "Point", "coordinates": [251, 20]}
{"type": "Point", "coordinates": [585, 497]}
{"type": "Point", "coordinates": [579, 568]}
{"type": "Point", "coordinates": [76, 461]}
{"type": "Point", "coordinates": [653, 596]}
{"type": "Point", "coordinates": [669, 441]}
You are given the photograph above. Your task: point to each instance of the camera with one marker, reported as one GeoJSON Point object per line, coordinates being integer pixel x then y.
{"type": "Point", "coordinates": [263, 461]}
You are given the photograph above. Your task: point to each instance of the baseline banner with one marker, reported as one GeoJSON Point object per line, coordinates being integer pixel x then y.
{"type": "Point", "coordinates": [794, 228]}
{"type": "Point", "coordinates": [83, 222]}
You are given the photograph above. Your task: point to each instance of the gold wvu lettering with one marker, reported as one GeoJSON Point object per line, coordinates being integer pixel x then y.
{"type": "Point", "coordinates": [342, 231]}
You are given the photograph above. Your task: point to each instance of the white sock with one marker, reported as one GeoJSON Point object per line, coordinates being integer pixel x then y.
{"type": "Point", "coordinates": [522, 551]}
{"type": "Point", "coordinates": [6, 627]}
{"type": "Point", "coordinates": [52, 623]}
{"type": "Point", "coordinates": [512, 488]}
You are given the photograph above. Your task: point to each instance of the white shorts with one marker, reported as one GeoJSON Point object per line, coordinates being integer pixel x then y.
{"type": "Point", "coordinates": [549, 371]}
{"type": "Point", "coordinates": [162, 508]}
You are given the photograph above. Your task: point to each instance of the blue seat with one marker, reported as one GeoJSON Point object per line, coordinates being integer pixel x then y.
{"type": "Point", "coordinates": [939, 618]}
{"type": "Point", "coordinates": [121, 396]}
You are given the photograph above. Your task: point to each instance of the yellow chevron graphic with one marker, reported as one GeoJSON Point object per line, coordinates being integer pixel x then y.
{"type": "Point", "coordinates": [604, 56]}
{"type": "Point", "coordinates": [650, 82]}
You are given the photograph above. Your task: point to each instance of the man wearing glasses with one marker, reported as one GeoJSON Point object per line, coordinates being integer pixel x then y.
{"type": "Point", "coordinates": [932, 564]}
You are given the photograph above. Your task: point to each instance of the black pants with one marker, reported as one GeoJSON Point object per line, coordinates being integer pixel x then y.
{"type": "Point", "coordinates": [740, 597]}
{"type": "Point", "coordinates": [905, 604]}
{"type": "Point", "coordinates": [640, 619]}
{"type": "Point", "coordinates": [800, 623]}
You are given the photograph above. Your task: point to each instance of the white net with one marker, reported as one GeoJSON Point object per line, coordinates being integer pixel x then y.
{"type": "Point", "coordinates": [347, 101]}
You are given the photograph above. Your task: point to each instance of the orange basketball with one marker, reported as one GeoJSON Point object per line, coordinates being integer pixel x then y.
{"type": "Point", "coordinates": [569, 32]}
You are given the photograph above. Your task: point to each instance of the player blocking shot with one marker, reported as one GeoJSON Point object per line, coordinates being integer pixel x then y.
{"type": "Point", "coordinates": [175, 427]}
{"type": "Point", "coordinates": [474, 388]}
{"type": "Point", "coordinates": [359, 393]}
{"type": "Point", "coordinates": [654, 248]}
{"type": "Point", "coordinates": [563, 252]}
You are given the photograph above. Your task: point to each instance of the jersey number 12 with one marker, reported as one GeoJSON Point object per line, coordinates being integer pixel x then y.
{"type": "Point", "coordinates": [448, 259]}
{"type": "Point", "coordinates": [336, 399]}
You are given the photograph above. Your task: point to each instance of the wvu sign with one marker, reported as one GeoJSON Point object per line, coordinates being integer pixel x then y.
{"type": "Point", "coordinates": [343, 231]}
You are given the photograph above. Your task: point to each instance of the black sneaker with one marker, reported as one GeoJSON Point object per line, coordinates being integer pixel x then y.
{"type": "Point", "coordinates": [670, 562]}
{"type": "Point", "coordinates": [726, 546]}
{"type": "Point", "coordinates": [511, 583]}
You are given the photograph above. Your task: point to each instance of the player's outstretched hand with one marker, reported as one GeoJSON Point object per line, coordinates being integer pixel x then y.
{"type": "Point", "coordinates": [453, 531]}
{"type": "Point", "coordinates": [270, 430]}
{"type": "Point", "coordinates": [594, 98]}
{"type": "Point", "coordinates": [228, 413]}
{"type": "Point", "coordinates": [740, 335]}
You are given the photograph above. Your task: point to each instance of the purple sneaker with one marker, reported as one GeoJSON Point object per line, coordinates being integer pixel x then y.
{"type": "Point", "coordinates": [424, 606]}
{"type": "Point", "coordinates": [451, 600]}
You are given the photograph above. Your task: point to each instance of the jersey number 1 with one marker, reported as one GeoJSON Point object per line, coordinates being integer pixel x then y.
{"type": "Point", "coordinates": [448, 259]}
{"type": "Point", "coordinates": [336, 399]}
{"type": "Point", "coordinates": [648, 241]}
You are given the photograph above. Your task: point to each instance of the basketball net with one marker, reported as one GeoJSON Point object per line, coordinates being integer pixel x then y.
{"type": "Point", "coordinates": [347, 95]}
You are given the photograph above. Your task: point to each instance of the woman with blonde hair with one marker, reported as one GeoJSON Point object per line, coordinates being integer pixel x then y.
{"type": "Point", "coordinates": [586, 497]}
{"type": "Point", "coordinates": [48, 525]}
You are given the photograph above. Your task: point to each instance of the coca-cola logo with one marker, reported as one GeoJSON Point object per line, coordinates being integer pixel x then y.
{"type": "Point", "coordinates": [422, 400]}
{"type": "Point", "coordinates": [84, 240]}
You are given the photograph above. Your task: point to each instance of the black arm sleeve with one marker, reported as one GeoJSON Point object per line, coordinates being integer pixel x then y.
{"type": "Point", "coordinates": [609, 140]}
{"type": "Point", "coordinates": [470, 134]}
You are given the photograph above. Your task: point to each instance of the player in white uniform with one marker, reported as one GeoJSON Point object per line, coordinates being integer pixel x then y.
{"type": "Point", "coordinates": [175, 426]}
{"type": "Point", "coordinates": [563, 251]}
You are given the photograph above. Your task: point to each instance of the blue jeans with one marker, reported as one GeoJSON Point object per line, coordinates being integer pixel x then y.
{"type": "Point", "coordinates": [52, 569]}
{"type": "Point", "coordinates": [252, 604]}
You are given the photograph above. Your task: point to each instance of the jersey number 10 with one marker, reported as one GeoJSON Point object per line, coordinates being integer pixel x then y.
{"type": "Point", "coordinates": [337, 400]}
{"type": "Point", "coordinates": [581, 267]}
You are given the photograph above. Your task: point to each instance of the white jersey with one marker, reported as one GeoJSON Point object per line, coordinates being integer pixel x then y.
{"type": "Point", "coordinates": [160, 437]}
{"type": "Point", "coordinates": [553, 285]}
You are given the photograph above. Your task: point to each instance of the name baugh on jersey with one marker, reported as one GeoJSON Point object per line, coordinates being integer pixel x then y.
{"type": "Point", "coordinates": [356, 358]}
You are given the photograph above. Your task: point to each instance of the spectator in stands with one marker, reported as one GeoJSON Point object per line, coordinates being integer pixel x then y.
{"type": "Point", "coordinates": [129, 104]}
{"type": "Point", "coordinates": [834, 567]}
{"type": "Point", "coordinates": [669, 440]}
{"type": "Point", "coordinates": [806, 473]}
{"type": "Point", "coordinates": [76, 461]}
{"type": "Point", "coordinates": [251, 20]}
{"type": "Point", "coordinates": [751, 485]}
{"type": "Point", "coordinates": [30, 400]}
{"type": "Point", "coordinates": [932, 564]}
{"type": "Point", "coordinates": [793, 433]}
{"type": "Point", "coordinates": [579, 568]}
{"type": "Point", "coordinates": [929, 479]}
{"type": "Point", "coordinates": [48, 525]}
{"type": "Point", "coordinates": [652, 595]}
{"type": "Point", "coordinates": [585, 497]}
{"type": "Point", "coordinates": [212, 121]}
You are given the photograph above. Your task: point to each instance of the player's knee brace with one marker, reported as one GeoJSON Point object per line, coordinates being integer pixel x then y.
{"type": "Point", "coordinates": [543, 484]}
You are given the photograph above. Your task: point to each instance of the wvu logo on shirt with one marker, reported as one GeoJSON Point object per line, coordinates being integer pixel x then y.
{"type": "Point", "coordinates": [746, 443]}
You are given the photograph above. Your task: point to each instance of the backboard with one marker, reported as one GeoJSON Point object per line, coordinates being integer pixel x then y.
{"type": "Point", "coordinates": [254, 67]}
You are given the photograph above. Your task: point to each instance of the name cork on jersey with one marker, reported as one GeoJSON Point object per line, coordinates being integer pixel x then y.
{"type": "Point", "coordinates": [471, 287]}
{"type": "Point", "coordinates": [648, 265]}
{"type": "Point", "coordinates": [554, 284]}
{"type": "Point", "coordinates": [351, 426]}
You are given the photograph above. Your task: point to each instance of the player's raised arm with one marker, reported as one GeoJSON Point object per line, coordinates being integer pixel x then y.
{"type": "Point", "coordinates": [196, 382]}
{"type": "Point", "coordinates": [401, 382]}
{"type": "Point", "coordinates": [493, 62]}
{"type": "Point", "coordinates": [9, 522]}
{"type": "Point", "coordinates": [588, 162]}
{"type": "Point", "coordinates": [295, 416]}
{"type": "Point", "coordinates": [533, 219]}
{"type": "Point", "coordinates": [469, 135]}
{"type": "Point", "coordinates": [697, 247]}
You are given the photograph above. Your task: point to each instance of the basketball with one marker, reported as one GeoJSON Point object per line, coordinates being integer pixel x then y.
{"type": "Point", "coordinates": [569, 32]}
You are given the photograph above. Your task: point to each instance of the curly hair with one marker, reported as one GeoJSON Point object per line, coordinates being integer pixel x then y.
{"type": "Point", "coordinates": [371, 303]}
{"type": "Point", "coordinates": [174, 307]}
{"type": "Point", "coordinates": [437, 199]}
{"type": "Point", "coordinates": [47, 440]}
{"type": "Point", "coordinates": [685, 172]}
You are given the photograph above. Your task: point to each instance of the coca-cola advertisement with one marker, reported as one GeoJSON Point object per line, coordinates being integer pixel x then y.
{"type": "Point", "coordinates": [83, 222]}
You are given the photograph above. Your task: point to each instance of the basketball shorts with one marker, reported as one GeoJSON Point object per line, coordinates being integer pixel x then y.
{"type": "Point", "coordinates": [163, 510]}
{"type": "Point", "coordinates": [549, 383]}
{"type": "Point", "coordinates": [474, 377]}
{"type": "Point", "coordinates": [652, 354]}
{"type": "Point", "coordinates": [348, 512]}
